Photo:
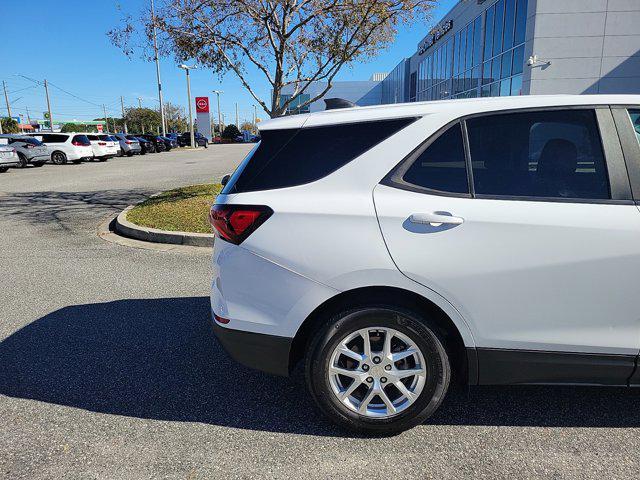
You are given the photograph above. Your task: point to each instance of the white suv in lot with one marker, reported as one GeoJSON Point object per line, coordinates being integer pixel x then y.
{"type": "Point", "coordinates": [393, 248]}
{"type": "Point", "coordinates": [66, 147]}
{"type": "Point", "coordinates": [103, 147]}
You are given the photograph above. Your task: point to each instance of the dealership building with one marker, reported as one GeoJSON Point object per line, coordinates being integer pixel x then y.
{"type": "Point", "coordinates": [488, 48]}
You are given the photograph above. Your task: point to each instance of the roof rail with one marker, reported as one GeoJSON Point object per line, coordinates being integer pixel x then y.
{"type": "Point", "coordinates": [335, 103]}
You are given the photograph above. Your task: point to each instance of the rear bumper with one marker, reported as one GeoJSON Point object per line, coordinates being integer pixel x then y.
{"type": "Point", "coordinates": [259, 351]}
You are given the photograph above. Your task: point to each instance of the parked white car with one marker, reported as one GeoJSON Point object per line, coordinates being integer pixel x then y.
{"type": "Point", "coordinates": [113, 144]}
{"type": "Point", "coordinates": [66, 147]}
{"type": "Point", "coordinates": [395, 248]}
{"type": "Point", "coordinates": [103, 150]}
{"type": "Point", "coordinates": [8, 156]}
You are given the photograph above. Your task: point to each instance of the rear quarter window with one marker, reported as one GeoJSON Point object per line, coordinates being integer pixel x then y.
{"type": "Point", "coordinates": [290, 157]}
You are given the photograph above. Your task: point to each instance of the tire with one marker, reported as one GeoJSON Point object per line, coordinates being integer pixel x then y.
{"type": "Point", "coordinates": [58, 158]}
{"type": "Point", "coordinates": [4, 169]}
{"type": "Point", "coordinates": [129, 154]}
{"type": "Point", "coordinates": [38, 164]}
{"type": "Point", "coordinates": [23, 161]}
{"type": "Point", "coordinates": [424, 392]}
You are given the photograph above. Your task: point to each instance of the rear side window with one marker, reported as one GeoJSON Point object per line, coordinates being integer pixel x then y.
{"type": "Point", "coordinates": [635, 120]}
{"type": "Point", "coordinates": [286, 158]}
{"type": "Point", "coordinates": [544, 154]}
{"type": "Point", "coordinates": [92, 137]}
{"type": "Point", "coordinates": [442, 165]}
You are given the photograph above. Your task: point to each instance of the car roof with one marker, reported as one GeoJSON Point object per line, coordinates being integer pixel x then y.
{"type": "Point", "coordinates": [459, 107]}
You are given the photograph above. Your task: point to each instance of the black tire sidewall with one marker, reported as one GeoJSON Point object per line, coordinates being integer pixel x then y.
{"type": "Point", "coordinates": [23, 160]}
{"type": "Point", "coordinates": [406, 322]}
{"type": "Point", "coordinates": [62, 156]}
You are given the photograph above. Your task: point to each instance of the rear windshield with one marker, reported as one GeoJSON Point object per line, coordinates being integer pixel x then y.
{"type": "Point", "coordinates": [81, 139]}
{"type": "Point", "coordinates": [131, 137]}
{"type": "Point", "coordinates": [104, 137]}
{"type": "Point", "coordinates": [285, 158]}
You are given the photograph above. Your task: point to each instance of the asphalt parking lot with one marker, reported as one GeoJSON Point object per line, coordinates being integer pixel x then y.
{"type": "Point", "coordinates": [108, 368]}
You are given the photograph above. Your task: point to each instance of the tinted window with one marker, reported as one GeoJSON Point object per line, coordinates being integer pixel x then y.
{"type": "Point", "coordinates": [92, 137]}
{"type": "Point", "coordinates": [635, 120]}
{"type": "Point", "coordinates": [82, 139]}
{"type": "Point", "coordinates": [442, 165]}
{"type": "Point", "coordinates": [285, 158]}
{"type": "Point", "coordinates": [130, 137]}
{"type": "Point", "coordinates": [50, 138]}
{"type": "Point", "coordinates": [555, 154]}
{"type": "Point", "coordinates": [30, 140]}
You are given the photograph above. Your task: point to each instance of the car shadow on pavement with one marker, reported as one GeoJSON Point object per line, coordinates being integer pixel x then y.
{"type": "Point", "coordinates": [159, 359]}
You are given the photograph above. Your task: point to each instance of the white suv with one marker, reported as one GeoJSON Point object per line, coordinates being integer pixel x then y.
{"type": "Point", "coordinates": [64, 147]}
{"type": "Point", "coordinates": [393, 248]}
{"type": "Point", "coordinates": [103, 148]}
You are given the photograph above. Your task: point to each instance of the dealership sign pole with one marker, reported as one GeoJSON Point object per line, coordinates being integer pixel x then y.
{"type": "Point", "coordinates": [203, 119]}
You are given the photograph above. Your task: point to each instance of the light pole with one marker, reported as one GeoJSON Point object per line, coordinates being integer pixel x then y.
{"type": "Point", "coordinates": [186, 68]}
{"type": "Point", "coordinates": [123, 115]}
{"type": "Point", "coordinates": [218, 92]}
{"type": "Point", "coordinates": [140, 107]}
{"type": "Point", "coordinates": [255, 120]}
{"type": "Point", "coordinates": [155, 51]}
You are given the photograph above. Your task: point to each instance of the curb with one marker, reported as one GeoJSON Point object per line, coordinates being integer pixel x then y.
{"type": "Point", "coordinates": [146, 234]}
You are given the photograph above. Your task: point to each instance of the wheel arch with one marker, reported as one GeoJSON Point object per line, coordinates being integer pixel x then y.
{"type": "Point", "coordinates": [463, 357]}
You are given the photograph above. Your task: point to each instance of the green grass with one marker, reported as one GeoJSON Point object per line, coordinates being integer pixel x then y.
{"type": "Point", "coordinates": [180, 210]}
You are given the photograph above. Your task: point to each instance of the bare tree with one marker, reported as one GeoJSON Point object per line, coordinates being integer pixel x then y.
{"type": "Point", "coordinates": [289, 43]}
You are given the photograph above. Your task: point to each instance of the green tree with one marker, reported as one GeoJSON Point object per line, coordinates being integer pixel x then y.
{"type": "Point", "coordinates": [289, 43]}
{"type": "Point", "coordinates": [78, 127]}
{"type": "Point", "coordinates": [139, 119]}
{"type": "Point", "coordinates": [249, 126]}
{"type": "Point", "coordinates": [230, 132]}
{"type": "Point", "coordinates": [175, 117]}
{"type": "Point", "coordinates": [9, 125]}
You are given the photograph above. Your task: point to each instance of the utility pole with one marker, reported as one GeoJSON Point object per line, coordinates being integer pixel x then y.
{"type": "Point", "coordinates": [155, 50]}
{"type": "Point", "coordinates": [123, 116]}
{"type": "Point", "coordinates": [106, 120]}
{"type": "Point", "coordinates": [237, 119]}
{"type": "Point", "coordinates": [46, 89]}
{"type": "Point", "coordinates": [6, 98]}
{"type": "Point", "coordinates": [28, 116]}
{"type": "Point", "coordinates": [218, 92]}
{"type": "Point", "coordinates": [186, 68]}
{"type": "Point", "coordinates": [140, 107]}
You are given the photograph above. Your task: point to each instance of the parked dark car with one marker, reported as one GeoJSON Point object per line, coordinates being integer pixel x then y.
{"type": "Point", "coordinates": [158, 142]}
{"type": "Point", "coordinates": [145, 145]}
{"type": "Point", "coordinates": [184, 140]}
{"type": "Point", "coordinates": [169, 143]}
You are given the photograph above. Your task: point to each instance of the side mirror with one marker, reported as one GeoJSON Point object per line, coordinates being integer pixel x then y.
{"type": "Point", "coordinates": [225, 180]}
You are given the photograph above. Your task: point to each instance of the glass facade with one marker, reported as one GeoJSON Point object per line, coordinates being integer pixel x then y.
{"type": "Point", "coordinates": [294, 107]}
{"type": "Point", "coordinates": [484, 58]}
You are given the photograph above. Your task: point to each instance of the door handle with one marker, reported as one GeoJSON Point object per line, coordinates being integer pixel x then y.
{"type": "Point", "coordinates": [435, 217]}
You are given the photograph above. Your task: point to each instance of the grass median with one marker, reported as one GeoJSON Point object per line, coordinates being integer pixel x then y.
{"type": "Point", "coordinates": [183, 209]}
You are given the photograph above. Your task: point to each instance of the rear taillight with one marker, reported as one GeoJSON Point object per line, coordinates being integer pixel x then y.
{"type": "Point", "coordinates": [80, 144]}
{"type": "Point", "coordinates": [234, 223]}
{"type": "Point", "coordinates": [128, 142]}
{"type": "Point", "coordinates": [102, 144]}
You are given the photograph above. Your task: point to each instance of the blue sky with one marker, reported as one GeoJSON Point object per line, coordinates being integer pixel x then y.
{"type": "Point", "coordinates": [69, 47]}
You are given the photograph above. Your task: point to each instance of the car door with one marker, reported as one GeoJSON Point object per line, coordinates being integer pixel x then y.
{"type": "Point", "coordinates": [525, 222]}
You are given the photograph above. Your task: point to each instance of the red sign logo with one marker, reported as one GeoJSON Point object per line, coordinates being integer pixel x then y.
{"type": "Point", "coordinates": [202, 104]}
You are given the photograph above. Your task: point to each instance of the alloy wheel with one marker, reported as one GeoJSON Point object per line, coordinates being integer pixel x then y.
{"type": "Point", "coordinates": [377, 372]}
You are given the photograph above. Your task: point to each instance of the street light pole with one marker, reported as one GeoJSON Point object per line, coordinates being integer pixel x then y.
{"type": "Point", "coordinates": [124, 120]}
{"type": "Point", "coordinates": [218, 92]}
{"type": "Point", "coordinates": [140, 107]}
{"type": "Point", "coordinates": [186, 68]}
{"type": "Point", "coordinates": [155, 50]}
{"type": "Point", "coordinates": [255, 120]}
{"type": "Point", "coordinates": [106, 120]}
{"type": "Point", "coordinates": [46, 89]}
